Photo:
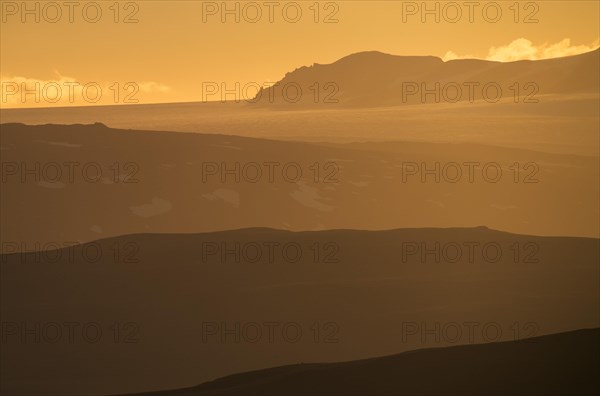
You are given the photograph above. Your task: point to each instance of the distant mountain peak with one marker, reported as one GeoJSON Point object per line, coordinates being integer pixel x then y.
{"type": "Point", "coordinates": [378, 79]}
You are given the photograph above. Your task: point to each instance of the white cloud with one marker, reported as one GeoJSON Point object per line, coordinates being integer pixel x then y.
{"type": "Point", "coordinates": [156, 207]}
{"type": "Point", "coordinates": [70, 91]}
{"type": "Point", "coordinates": [152, 86]}
{"type": "Point", "coordinates": [309, 197]}
{"type": "Point", "coordinates": [230, 196]}
{"type": "Point", "coordinates": [523, 49]}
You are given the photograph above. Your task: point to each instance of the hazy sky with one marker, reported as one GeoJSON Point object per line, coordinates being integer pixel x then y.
{"type": "Point", "coordinates": [175, 46]}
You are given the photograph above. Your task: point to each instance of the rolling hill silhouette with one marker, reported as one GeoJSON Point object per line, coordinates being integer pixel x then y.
{"type": "Point", "coordinates": [374, 79]}
{"type": "Point", "coordinates": [557, 364]}
{"type": "Point", "coordinates": [367, 190]}
{"type": "Point", "coordinates": [357, 288]}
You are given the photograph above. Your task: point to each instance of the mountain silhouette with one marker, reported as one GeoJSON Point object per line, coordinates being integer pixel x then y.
{"type": "Point", "coordinates": [162, 188]}
{"type": "Point", "coordinates": [374, 79]}
{"type": "Point", "coordinates": [350, 293]}
{"type": "Point", "coordinates": [557, 364]}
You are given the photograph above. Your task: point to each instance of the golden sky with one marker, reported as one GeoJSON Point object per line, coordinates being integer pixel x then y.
{"type": "Point", "coordinates": [172, 47]}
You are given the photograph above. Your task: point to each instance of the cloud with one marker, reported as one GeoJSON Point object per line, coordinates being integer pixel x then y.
{"type": "Point", "coordinates": [97, 229]}
{"type": "Point", "coordinates": [451, 55]}
{"type": "Point", "coordinates": [54, 185]}
{"type": "Point", "coordinates": [309, 197]}
{"type": "Point", "coordinates": [156, 207]}
{"type": "Point", "coordinates": [19, 91]}
{"type": "Point", "coordinates": [523, 49]}
{"type": "Point", "coordinates": [152, 86]}
{"type": "Point", "coordinates": [229, 196]}
{"type": "Point", "coordinates": [11, 90]}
